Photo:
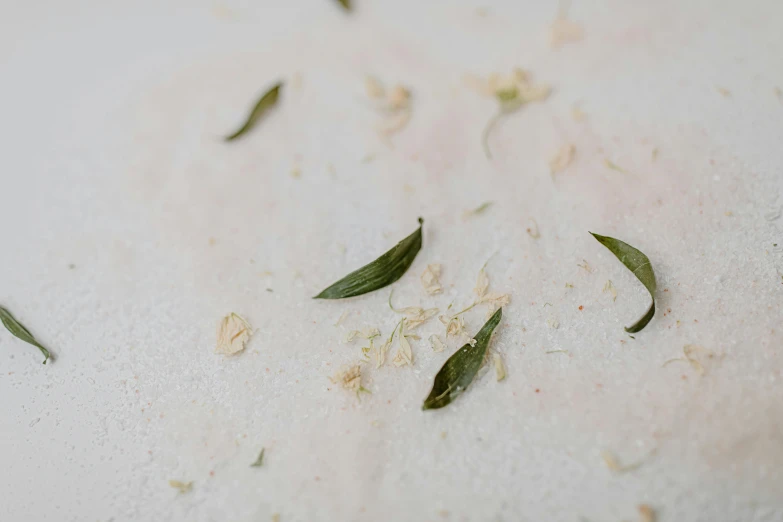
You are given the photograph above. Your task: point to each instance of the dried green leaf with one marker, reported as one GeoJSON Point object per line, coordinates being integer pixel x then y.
{"type": "Point", "coordinates": [461, 368]}
{"type": "Point", "coordinates": [380, 273]}
{"type": "Point", "coordinates": [17, 329]}
{"type": "Point", "coordinates": [346, 4]}
{"type": "Point", "coordinates": [260, 460]}
{"type": "Point", "coordinates": [262, 106]}
{"type": "Point", "coordinates": [639, 264]}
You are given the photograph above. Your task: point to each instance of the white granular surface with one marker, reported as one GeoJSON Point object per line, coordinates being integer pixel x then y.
{"type": "Point", "coordinates": [113, 163]}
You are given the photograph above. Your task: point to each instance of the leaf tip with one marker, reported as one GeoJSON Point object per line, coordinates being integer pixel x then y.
{"type": "Point", "coordinates": [421, 221]}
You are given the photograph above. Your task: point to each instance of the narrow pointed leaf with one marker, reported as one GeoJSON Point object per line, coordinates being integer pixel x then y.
{"type": "Point", "coordinates": [380, 273]}
{"type": "Point", "coordinates": [262, 106]}
{"type": "Point", "coordinates": [461, 368]}
{"type": "Point", "coordinates": [16, 328]}
{"type": "Point", "coordinates": [346, 4]}
{"type": "Point", "coordinates": [639, 264]}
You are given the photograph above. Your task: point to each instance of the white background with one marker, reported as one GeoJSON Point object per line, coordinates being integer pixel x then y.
{"type": "Point", "coordinates": [112, 162]}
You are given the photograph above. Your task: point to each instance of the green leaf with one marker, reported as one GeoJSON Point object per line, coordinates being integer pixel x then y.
{"type": "Point", "coordinates": [380, 273]}
{"type": "Point", "coordinates": [16, 328]}
{"type": "Point", "coordinates": [259, 461]}
{"type": "Point", "coordinates": [346, 4]}
{"type": "Point", "coordinates": [639, 264]}
{"type": "Point", "coordinates": [263, 105]}
{"type": "Point", "coordinates": [461, 368]}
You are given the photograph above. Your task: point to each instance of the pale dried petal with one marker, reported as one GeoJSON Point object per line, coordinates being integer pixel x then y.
{"type": "Point", "coordinates": [415, 321]}
{"type": "Point", "coordinates": [609, 287]}
{"type": "Point", "coordinates": [380, 354]}
{"type": "Point", "coordinates": [233, 332]}
{"type": "Point", "coordinates": [350, 378]}
{"type": "Point", "coordinates": [496, 300]}
{"type": "Point", "coordinates": [646, 513]}
{"type": "Point", "coordinates": [577, 114]}
{"type": "Point", "coordinates": [565, 31]}
{"type": "Point", "coordinates": [535, 93]}
{"type": "Point", "coordinates": [374, 88]}
{"type": "Point", "coordinates": [431, 279]}
{"type": "Point", "coordinates": [437, 344]}
{"type": "Point", "coordinates": [562, 159]}
{"type": "Point", "coordinates": [533, 229]}
{"type": "Point", "coordinates": [396, 122]}
{"type": "Point", "coordinates": [399, 98]}
{"type": "Point", "coordinates": [183, 487]}
{"type": "Point", "coordinates": [364, 333]}
{"type": "Point", "coordinates": [454, 325]}
{"type": "Point", "coordinates": [500, 368]}
{"type": "Point", "coordinates": [482, 283]}
{"type": "Point", "coordinates": [404, 354]}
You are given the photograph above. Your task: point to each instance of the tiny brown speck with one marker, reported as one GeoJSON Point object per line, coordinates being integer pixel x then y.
{"type": "Point", "coordinates": [581, 307]}
{"type": "Point", "coordinates": [538, 390]}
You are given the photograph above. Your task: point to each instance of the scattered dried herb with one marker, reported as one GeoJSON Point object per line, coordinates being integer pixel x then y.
{"type": "Point", "coordinates": [262, 106]}
{"type": "Point", "coordinates": [233, 332]}
{"type": "Point", "coordinates": [478, 210]}
{"type": "Point", "coordinates": [346, 4]}
{"type": "Point", "coordinates": [564, 30]}
{"type": "Point", "coordinates": [532, 231]}
{"type": "Point", "coordinates": [500, 368]}
{"type": "Point", "coordinates": [260, 460]}
{"type": "Point", "coordinates": [380, 273]}
{"type": "Point", "coordinates": [609, 287]}
{"type": "Point", "coordinates": [646, 513]}
{"type": "Point", "coordinates": [611, 165]}
{"type": "Point", "coordinates": [19, 331]}
{"type": "Point", "coordinates": [512, 92]}
{"type": "Point", "coordinates": [380, 353]}
{"type": "Point", "coordinates": [350, 379]}
{"type": "Point", "coordinates": [430, 279]}
{"type": "Point", "coordinates": [696, 356]}
{"type": "Point", "coordinates": [404, 354]}
{"type": "Point", "coordinates": [639, 264]}
{"type": "Point", "coordinates": [394, 105]}
{"type": "Point", "coordinates": [562, 159]}
{"type": "Point", "coordinates": [437, 344]}
{"type": "Point", "coordinates": [368, 333]}
{"type": "Point", "coordinates": [461, 368]}
{"type": "Point", "coordinates": [183, 487]}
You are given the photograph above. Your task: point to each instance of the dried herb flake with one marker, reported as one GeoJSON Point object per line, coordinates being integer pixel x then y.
{"type": "Point", "coordinates": [639, 264]}
{"type": "Point", "coordinates": [18, 330]}
{"type": "Point", "coordinates": [380, 273]}
{"type": "Point", "coordinates": [262, 106]}
{"type": "Point", "coordinates": [260, 460]}
{"type": "Point", "coordinates": [461, 368]}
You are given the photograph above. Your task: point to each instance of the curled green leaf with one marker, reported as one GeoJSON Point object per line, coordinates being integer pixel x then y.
{"type": "Point", "coordinates": [346, 4]}
{"type": "Point", "coordinates": [262, 106]}
{"type": "Point", "coordinates": [259, 461]}
{"type": "Point", "coordinates": [380, 273]}
{"type": "Point", "coordinates": [639, 264]}
{"type": "Point", "coordinates": [18, 329]}
{"type": "Point", "coordinates": [461, 368]}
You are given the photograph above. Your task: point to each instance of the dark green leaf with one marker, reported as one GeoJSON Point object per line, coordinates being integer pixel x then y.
{"type": "Point", "coordinates": [16, 328]}
{"type": "Point", "coordinates": [263, 105]}
{"type": "Point", "coordinates": [346, 4]}
{"type": "Point", "coordinates": [461, 368]}
{"type": "Point", "coordinates": [259, 461]}
{"type": "Point", "coordinates": [639, 264]}
{"type": "Point", "coordinates": [380, 273]}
